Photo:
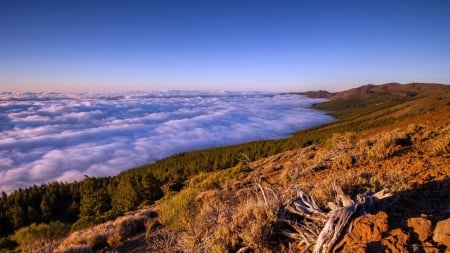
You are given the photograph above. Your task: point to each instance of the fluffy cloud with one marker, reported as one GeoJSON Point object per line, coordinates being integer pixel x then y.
{"type": "Point", "coordinates": [54, 136]}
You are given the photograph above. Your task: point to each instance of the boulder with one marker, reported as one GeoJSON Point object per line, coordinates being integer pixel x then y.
{"type": "Point", "coordinates": [396, 242]}
{"type": "Point", "coordinates": [365, 232]}
{"type": "Point", "coordinates": [442, 233]}
{"type": "Point", "coordinates": [421, 227]}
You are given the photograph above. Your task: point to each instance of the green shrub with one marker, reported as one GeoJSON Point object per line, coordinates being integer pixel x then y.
{"type": "Point", "coordinates": [83, 223]}
{"type": "Point", "coordinates": [213, 180]}
{"type": "Point", "coordinates": [36, 235]}
{"type": "Point", "coordinates": [178, 211]}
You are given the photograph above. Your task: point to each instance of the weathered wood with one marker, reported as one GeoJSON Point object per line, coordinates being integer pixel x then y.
{"type": "Point", "coordinates": [306, 222]}
{"type": "Point", "coordinates": [335, 225]}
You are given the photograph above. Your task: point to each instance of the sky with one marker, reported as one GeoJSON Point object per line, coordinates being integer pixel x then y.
{"type": "Point", "coordinates": [221, 45]}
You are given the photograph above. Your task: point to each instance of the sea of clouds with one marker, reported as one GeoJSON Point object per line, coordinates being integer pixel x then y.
{"type": "Point", "coordinates": [54, 136]}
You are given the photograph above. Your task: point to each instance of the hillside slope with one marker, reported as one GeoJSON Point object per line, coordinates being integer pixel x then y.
{"type": "Point", "coordinates": [398, 140]}
{"type": "Point", "coordinates": [405, 149]}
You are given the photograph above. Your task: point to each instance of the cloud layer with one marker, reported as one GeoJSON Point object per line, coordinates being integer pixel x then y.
{"type": "Point", "coordinates": [53, 136]}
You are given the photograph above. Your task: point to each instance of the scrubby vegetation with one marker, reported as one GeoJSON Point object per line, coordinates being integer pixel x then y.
{"type": "Point", "coordinates": [202, 191]}
{"type": "Point", "coordinates": [179, 209]}
{"type": "Point", "coordinates": [248, 213]}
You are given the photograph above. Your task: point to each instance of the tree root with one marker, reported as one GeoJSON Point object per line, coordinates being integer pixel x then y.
{"type": "Point", "coordinates": [306, 222]}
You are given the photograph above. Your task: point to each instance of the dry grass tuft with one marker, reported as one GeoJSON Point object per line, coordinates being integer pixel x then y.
{"type": "Point", "coordinates": [257, 220]}
{"type": "Point", "coordinates": [125, 227]}
{"type": "Point", "coordinates": [76, 249]}
{"type": "Point", "coordinates": [441, 145]}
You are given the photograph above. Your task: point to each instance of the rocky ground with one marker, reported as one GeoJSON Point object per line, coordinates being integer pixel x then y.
{"type": "Point", "coordinates": [417, 217]}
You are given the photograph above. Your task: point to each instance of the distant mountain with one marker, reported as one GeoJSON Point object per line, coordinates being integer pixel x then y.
{"type": "Point", "coordinates": [391, 89]}
{"type": "Point", "coordinates": [314, 94]}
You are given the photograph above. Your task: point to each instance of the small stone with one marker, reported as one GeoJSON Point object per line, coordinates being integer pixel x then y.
{"type": "Point", "coordinates": [421, 227]}
{"type": "Point", "coordinates": [442, 233]}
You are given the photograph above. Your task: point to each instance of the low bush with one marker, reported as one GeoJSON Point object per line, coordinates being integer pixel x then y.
{"type": "Point", "coordinates": [178, 211]}
{"type": "Point", "coordinates": [126, 227]}
{"type": "Point", "coordinates": [83, 223]}
{"type": "Point", "coordinates": [76, 249]}
{"type": "Point", "coordinates": [385, 145]}
{"type": "Point", "coordinates": [212, 180]}
{"type": "Point", "coordinates": [257, 220]}
{"type": "Point", "coordinates": [40, 236]}
{"type": "Point", "coordinates": [441, 145]}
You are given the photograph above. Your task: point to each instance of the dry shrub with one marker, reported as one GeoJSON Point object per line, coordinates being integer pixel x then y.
{"type": "Point", "coordinates": [344, 161]}
{"type": "Point", "coordinates": [111, 233]}
{"type": "Point", "coordinates": [340, 151]}
{"type": "Point", "coordinates": [76, 249]}
{"type": "Point", "coordinates": [212, 208]}
{"type": "Point", "coordinates": [258, 220]}
{"type": "Point", "coordinates": [75, 239]}
{"type": "Point", "coordinates": [83, 241]}
{"type": "Point", "coordinates": [250, 225]}
{"type": "Point", "coordinates": [322, 160]}
{"type": "Point", "coordinates": [228, 221]}
{"type": "Point", "coordinates": [162, 241]}
{"type": "Point", "coordinates": [147, 213]}
{"type": "Point", "coordinates": [97, 241]}
{"type": "Point", "coordinates": [89, 239]}
{"type": "Point", "coordinates": [341, 141]}
{"type": "Point", "coordinates": [441, 145]}
{"type": "Point", "coordinates": [385, 145]}
{"type": "Point", "coordinates": [126, 227]}
{"type": "Point", "coordinates": [114, 239]}
{"type": "Point", "coordinates": [321, 190]}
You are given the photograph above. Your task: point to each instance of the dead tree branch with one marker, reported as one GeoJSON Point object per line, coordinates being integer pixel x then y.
{"type": "Point", "coordinates": [306, 222]}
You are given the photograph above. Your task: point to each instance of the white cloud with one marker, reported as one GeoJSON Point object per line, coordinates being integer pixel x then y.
{"type": "Point", "coordinates": [51, 136]}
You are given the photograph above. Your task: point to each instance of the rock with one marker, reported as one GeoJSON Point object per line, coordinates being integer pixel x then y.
{"type": "Point", "coordinates": [396, 242]}
{"type": "Point", "coordinates": [421, 227]}
{"type": "Point", "coordinates": [429, 247]}
{"type": "Point", "coordinates": [442, 233]}
{"type": "Point", "coordinates": [365, 232]}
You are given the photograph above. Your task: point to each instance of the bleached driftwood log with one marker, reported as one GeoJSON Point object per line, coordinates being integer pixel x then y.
{"type": "Point", "coordinates": [308, 223]}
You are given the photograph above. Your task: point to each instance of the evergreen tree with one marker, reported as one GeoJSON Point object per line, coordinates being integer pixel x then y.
{"type": "Point", "coordinates": [95, 199]}
{"type": "Point", "coordinates": [47, 206]}
{"type": "Point", "coordinates": [125, 196]}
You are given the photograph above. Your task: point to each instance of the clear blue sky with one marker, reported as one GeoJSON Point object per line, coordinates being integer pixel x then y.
{"type": "Point", "coordinates": [216, 45]}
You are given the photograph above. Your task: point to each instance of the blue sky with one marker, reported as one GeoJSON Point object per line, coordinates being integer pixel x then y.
{"type": "Point", "coordinates": [221, 45]}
